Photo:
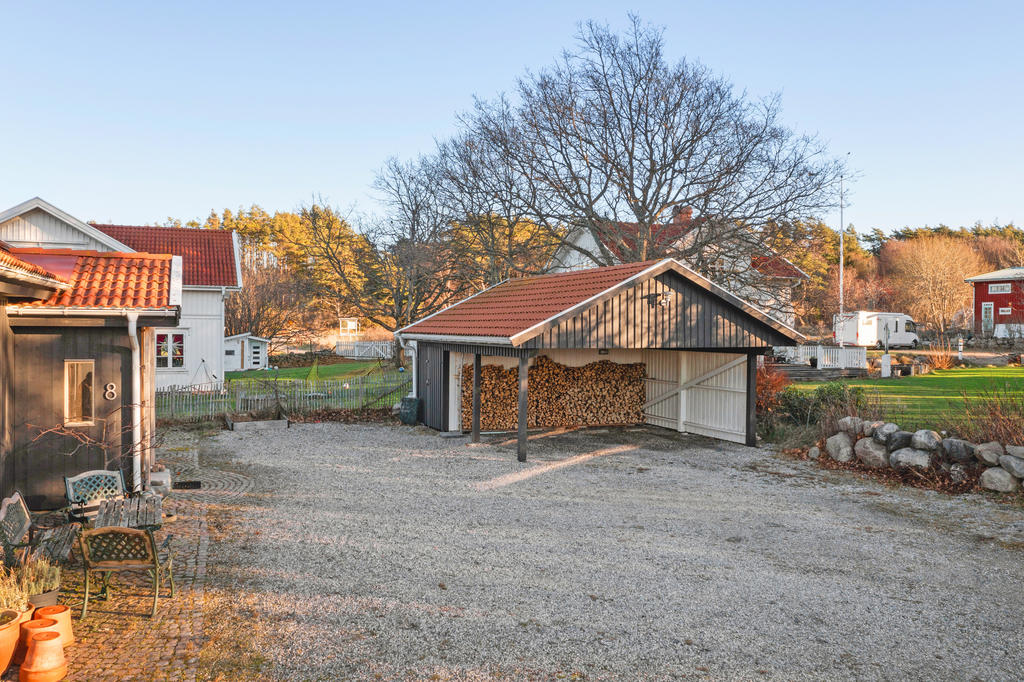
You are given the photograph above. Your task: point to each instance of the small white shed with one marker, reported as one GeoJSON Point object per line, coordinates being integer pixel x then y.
{"type": "Point", "coordinates": [245, 351]}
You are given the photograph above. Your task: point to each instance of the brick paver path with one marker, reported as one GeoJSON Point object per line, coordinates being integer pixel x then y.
{"type": "Point", "coordinates": [118, 640]}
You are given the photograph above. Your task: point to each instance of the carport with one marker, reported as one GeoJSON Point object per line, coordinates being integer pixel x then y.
{"type": "Point", "coordinates": [698, 344]}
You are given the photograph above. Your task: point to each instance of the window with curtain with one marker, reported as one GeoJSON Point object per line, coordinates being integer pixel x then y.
{"type": "Point", "coordinates": [78, 391]}
{"type": "Point", "coordinates": [170, 350]}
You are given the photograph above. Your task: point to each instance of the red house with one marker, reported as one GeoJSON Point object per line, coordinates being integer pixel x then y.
{"type": "Point", "coordinates": [999, 303]}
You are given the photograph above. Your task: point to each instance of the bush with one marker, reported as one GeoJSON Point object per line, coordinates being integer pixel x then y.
{"type": "Point", "coordinates": [826, 405]}
{"type": "Point", "coordinates": [993, 415]}
{"type": "Point", "coordinates": [770, 384]}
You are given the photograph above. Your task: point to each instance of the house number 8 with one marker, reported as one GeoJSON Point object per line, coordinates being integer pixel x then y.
{"type": "Point", "coordinates": [110, 391]}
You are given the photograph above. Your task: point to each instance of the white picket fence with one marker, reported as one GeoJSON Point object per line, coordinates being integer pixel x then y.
{"type": "Point", "coordinates": [207, 401]}
{"type": "Point", "coordinates": [365, 350]}
{"type": "Point", "coordinates": [828, 357]}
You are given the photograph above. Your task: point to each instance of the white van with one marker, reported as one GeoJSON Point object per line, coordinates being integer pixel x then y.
{"type": "Point", "coordinates": [881, 330]}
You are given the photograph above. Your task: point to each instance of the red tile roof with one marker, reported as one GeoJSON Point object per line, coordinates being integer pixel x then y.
{"type": "Point", "coordinates": [776, 266]}
{"type": "Point", "coordinates": [11, 262]}
{"type": "Point", "coordinates": [663, 236]}
{"type": "Point", "coordinates": [518, 304]}
{"type": "Point", "coordinates": [208, 256]}
{"type": "Point", "coordinates": [105, 279]}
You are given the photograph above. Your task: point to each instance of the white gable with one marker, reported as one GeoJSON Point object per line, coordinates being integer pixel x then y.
{"type": "Point", "coordinates": [37, 223]}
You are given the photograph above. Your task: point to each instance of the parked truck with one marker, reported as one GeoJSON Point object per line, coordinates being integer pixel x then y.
{"type": "Point", "coordinates": [881, 330]}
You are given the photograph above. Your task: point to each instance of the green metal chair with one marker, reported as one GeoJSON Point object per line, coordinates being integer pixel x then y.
{"type": "Point", "coordinates": [86, 490]}
{"type": "Point", "coordinates": [21, 540]}
{"type": "Point", "coordinates": [113, 549]}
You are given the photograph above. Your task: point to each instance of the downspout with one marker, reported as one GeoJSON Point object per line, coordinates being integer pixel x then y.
{"type": "Point", "coordinates": [133, 340]}
{"type": "Point", "coordinates": [410, 348]}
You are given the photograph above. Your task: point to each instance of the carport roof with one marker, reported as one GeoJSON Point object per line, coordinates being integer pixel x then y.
{"type": "Point", "coordinates": [517, 310]}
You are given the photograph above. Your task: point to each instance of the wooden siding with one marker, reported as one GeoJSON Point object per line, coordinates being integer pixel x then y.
{"type": "Point", "coordinates": [37, 466]}
{"type": "Point", "coordinates": [6, 397]}
{"type": "Point", "coordinates": [39, 228]}
{"type": "Point", "coordinates": [716, 407]}
{"type": "Point", "coordinates": [691, 319]}
{"type": "Point", "coordinates": [432, 384]}
{"type": "Point", "coordinates": [662, 375]}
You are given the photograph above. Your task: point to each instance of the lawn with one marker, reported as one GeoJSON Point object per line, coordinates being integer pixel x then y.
{"type": "Point", "coordinates": [335, 371]}
{"type": "Point", "coordinates": [921, 401]}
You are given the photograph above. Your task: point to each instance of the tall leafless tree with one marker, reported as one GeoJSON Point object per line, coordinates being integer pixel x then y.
{"type": "Point", "coordinates": [613, 140]}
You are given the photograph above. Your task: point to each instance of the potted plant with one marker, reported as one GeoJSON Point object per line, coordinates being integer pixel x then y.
{"type": "Point", "coordinates": [14, 610]}
{"type": "Point", "coordinates": [40, 581]}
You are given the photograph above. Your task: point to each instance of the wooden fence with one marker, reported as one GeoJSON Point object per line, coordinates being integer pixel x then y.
{"type": "Point", "coordinates": [365, 350]}
{"type": "Point", "coordinates": [828, 357]}
{"type": "Point", "coordinates": [296, 396]}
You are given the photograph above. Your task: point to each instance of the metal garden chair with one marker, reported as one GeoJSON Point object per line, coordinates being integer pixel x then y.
{"type": "Point", "coordinates": [21, 540]}
{"type": "Point", "coordinates": [86, 490]}
{"type": "Point", "coordinates": [112, 549]}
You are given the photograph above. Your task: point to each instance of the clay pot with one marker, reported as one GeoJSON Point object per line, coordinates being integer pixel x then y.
{"type": "Point", "coordinates": [8, 637]}
{"type": "Point", "coordinates": [19, 650]}
{"type": "Point", "coordinates": [45, 660]}
{"type": "Point", "coordinates": [30, 628]}
{"type": "Point", "coordinates": [61, 614]}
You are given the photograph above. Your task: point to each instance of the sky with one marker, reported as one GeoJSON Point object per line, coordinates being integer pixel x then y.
{"type": "Point", "coordinates": [136, 112]}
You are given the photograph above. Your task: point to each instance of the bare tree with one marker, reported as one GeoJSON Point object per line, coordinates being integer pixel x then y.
{"type": "Point", "coordinates": [613, 141]}
{"type": "Point", "coordinates": [273, 304]}
{"type": "Point", "coordinates": [927, 276]}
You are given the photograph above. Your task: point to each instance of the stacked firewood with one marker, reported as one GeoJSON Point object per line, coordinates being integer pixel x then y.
{"type": "Point", "coordinates": [601, 393]}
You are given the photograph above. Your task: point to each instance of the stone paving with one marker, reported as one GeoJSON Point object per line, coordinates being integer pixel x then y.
{"type": "Point", "coordinates": [118, 640]}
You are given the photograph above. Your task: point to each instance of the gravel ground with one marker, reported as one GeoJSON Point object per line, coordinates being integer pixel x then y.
{"type": "Point", "coordinates": [388, 552]}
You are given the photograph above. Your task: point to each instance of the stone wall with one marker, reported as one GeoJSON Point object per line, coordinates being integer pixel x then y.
{"type": "Point", "coordinates": [880, 445]}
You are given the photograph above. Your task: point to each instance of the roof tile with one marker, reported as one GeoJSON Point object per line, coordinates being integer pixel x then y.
{"type": "Point", "coordinates": [208, 256]}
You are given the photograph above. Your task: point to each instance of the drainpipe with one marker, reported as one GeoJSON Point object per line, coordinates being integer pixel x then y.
{"type": "Point", "coordinates": [410, 348]}
{"type": "Point", "coordinates": [133, 339]}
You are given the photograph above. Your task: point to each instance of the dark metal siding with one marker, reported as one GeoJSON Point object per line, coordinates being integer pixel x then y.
{"type": "Point", "coordinates": [492, 351]}
{"type": "Point", "coordinates": [37, 466]}
{"type": "Point", "coordinates": [432, 384]}
{"type": "Point", "coordinates": [693, 319]}
{"type": "Point", "coordinates": [6, 399]}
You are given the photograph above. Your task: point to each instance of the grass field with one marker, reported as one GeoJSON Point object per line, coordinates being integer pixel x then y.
{"type": "Point", "coordinates": [921, 401]}
{"type": "Point", "coordinates": [336, 371]}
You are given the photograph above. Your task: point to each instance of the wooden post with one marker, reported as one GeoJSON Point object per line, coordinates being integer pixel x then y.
{"type": "Point", "coordinates": [523, 377]}
{"type": "Point", "coordinates": [752, 399]}
{"type": "Point", "coordinates": [476, 398]}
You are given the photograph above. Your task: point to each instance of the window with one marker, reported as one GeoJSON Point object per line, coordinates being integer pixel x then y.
{"type": "Point", "coordinates": [1005, 311]}
{"type": "Point", "coordinates": [911, 326]}
{"type": "Point", "coordinates": [78, 383]}
{"type": "Point", "coordinates": [170, 350]}
{"type": "Point", "coordinates": [229, 351]}
{"type": "Point", "coordinates": [998, 288]}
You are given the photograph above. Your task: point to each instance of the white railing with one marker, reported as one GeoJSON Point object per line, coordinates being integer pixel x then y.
{"type": "Point", "coordinates": [206, 401]}
{"type": "Point", "coordinates": [828, 357]}
{"type": "Point", "coordinates": [365, 350]}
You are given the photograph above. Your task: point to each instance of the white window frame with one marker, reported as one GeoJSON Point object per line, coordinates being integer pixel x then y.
{"type": "Point", "coordinates": [1006, 311]}
{"type": "Point", "coordinates": [184, 350]}
{"type": "Point", "coordinates": [1004, 288]}
{"type": "Point", "coordinates": [988, 306]}
{"type": "Point", "coordinates": [67, 394]}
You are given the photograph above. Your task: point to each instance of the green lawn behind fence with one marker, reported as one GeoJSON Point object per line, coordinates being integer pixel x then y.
{"type": "Point", "coordinates": [335, 371]}
{"type": "Point", "coordinates": [922, 401]}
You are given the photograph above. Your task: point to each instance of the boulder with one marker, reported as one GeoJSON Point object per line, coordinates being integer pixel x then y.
{"type": "Point", "coordinates": [958, 450]}
{"type": "Point", "coordinates": [926, 439]}
{"type": "Point", "coordinates": [882, 433]}
{"type": "Point", "coordinates": [958, 473]}
{"type": "Point", "coordinates": [910, 458]}
{"type": "Point", "coordinates": [872, 454]}
{"type": "Point", "coordinates": [900, 440]}
{"type": "Point", "coordinates": [999, 479]}
{"type": "Point", "coordinates": [1015, 465]}
{"type": "Point", "coordinates": [814, 453]}
{"type": "Point", "coordinates": [989, 453]}
{"type": "Point", "coordinates": [1015, 450]}
{"type": "Point", "coordinates": [869, 428]}
{"type": "Point", "coordinates": [851, 425]}
{"type": "Point", "coordinates": [839, 447]}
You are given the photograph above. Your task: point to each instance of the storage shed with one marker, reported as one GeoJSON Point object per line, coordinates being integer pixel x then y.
{"type": "Point", "coordinates": [650, 342]}
{"type": "Point", "coordinates": [245, 351]}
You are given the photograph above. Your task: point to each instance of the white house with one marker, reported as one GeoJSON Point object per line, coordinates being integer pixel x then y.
{"type": "Point", "coordinates": [192, 352]}
{"type": "Point", "coordinates": [774, 275]}
{"type": "Point", "coordinates": [245, 351]}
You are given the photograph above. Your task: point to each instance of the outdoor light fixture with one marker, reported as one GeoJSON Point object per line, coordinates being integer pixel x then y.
{"type": "Point", "coordinates": [661, 300]}
{"type": "Point", "coordinates": [602, 351]}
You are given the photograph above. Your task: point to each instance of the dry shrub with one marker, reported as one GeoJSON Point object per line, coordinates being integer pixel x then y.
{"type": "Point", "coordinates": [990, 415]}
{"type": "Point", "coordinates": [945, 357]}
{"type": "Point", "coordinates": [770, 384]}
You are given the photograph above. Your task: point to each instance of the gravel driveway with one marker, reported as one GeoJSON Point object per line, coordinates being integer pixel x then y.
{"type": "Point", "coordinates": [389, 552]}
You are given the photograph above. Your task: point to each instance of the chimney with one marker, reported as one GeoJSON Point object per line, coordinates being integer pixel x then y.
{"type": "Point", "coordinates": [682, 214]}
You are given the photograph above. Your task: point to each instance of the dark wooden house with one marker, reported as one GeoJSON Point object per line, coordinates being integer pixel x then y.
{"type": "Point", "coordinates": [76, 364]}
{"type": "Point", "coordinates": [698, 344]}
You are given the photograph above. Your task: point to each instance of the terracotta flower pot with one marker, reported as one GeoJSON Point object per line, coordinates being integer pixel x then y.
{"type": "Point", "coordinates": [19, 650]}
{"type": "Point", "coordinates": [8, 637]}
{"type": "Point", "coordinates": [61, 614]}
{"type": "Point", "coordinates": [30, 628]}
{"type": "Point", "coordinates": [45, 661]}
